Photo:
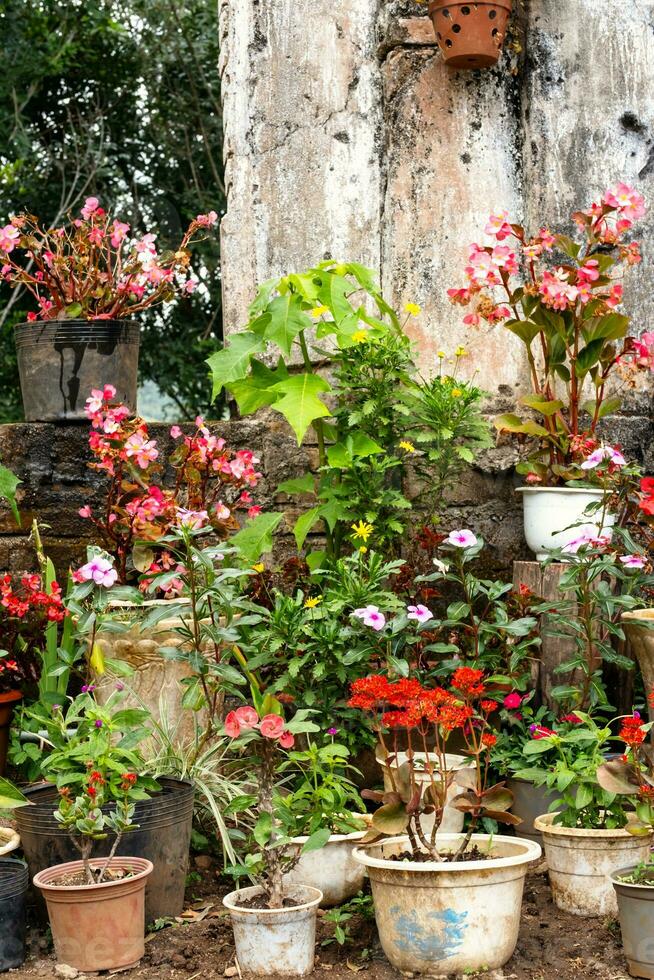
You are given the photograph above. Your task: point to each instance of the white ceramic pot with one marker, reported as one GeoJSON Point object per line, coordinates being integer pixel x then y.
{"type": "Point", "coordinates": [452, 822]}
{"type": "Point", "coordinates": [554, 516]}
{"type": "Point", "coordinates": [443, 918]}
{"type": "Point", "coordinates": [581, 863]}
{"type": "Point", "coordinates": [275, 941]}
{"type": "Point", "coordinates": [332, 869]}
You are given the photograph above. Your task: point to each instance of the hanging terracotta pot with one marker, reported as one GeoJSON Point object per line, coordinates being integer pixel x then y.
{"type": "Point", "coordinates": [470, 35]}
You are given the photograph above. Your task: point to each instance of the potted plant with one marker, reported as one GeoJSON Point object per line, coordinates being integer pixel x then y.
{"type": "Point", "coordinates": [470, 35]}
{"type": "Point", "coordinates": [564, 309]}
{"type": "Point", "coordinates": [631, 775]}
{"type": "Point", "coordinates": [323, 799]}
{"type": "Point", "coordinates": [96, 905]}
{"type": "Point", "coordinates": [14, 883]}
{"type": "Point", "coordinates": [638, 623]}
{"type": "Point", "coordinates": [274, 923]}
{"type": "Point", "coordinates": [445, 903]}
{"type": "Point", "coordinates": [88, 280]}
{"type": "Point", "coordinates": [585, 837]}
{"type": "Point", "coordinates": [26, 608]}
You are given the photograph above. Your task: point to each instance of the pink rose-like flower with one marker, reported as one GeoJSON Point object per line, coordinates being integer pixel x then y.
{"type": "Point", "coordinates": [461, 539]}
{"type": "Point", "coordinates": [207, 220]}
{"type": "Point", "coordinates": [286, 740]}
{"type": "Point", "coordinates": [99, 570]}
{"type": "Point", "coordinates": [633, 561]}
{"type": "Point", "coordinates": [420, 613]}
{"type": "Point", "coordinates": [272, 726]}
{"type": "Point", "coordinates": [246, 716]}
{"type": "Point", "coordinates": [512, 701]}
{"type": "Point", "coordinates": [175, 432]}
{"type": "Point", "coordinates": [8, 238]}
{"type": "Point", "coordinates": [84, 511]}
{"type": "Point", "coordinates": [232, 725]}
{"type": "Point", "coordinates": [90, 207]}
{"type": "Point", "coordinates": [371, 616]}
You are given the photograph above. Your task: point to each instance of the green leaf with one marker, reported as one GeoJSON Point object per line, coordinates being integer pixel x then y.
{"type": "Point", "coordinates": [305, 522]}
{"type": "Point", "coordinates": [8, 484]}
{"type": "Point", "coordinates": [511, 423]}
{"type": "Point", "coordinates": [287, 320]}
{"type": "Point", "coordinates": [588, 356]}
{"type": "Point", "coordinates": [257, 536]}
{"type": "Point", "coordinates": [542, 405]}
{"type": "Point", "coordinates": [232, 362]}
{"type": "Point", "coordinates": [300, 404]}
{"type": "Point", "coordinates": [10, 797]}
{"type": "Point", "coordinates": [317, 840]}
{"type": "Point", "coordinates": [333, 294]}
{"type": "Point", "coordinates": [608, 407]}
{"type": "Point", "coordinates": [584, 796]}
{"type": "Point", "coordinates": [524, 329]}
{"type": "Point", "coordinates": [263, 829]}
{"type": "Point", "coordinates": [73, 310]}
{"type": "Point", "coordinates": [299, 484]}
{"type": "Point", "coordinates": [254, 391]}
{"type": "Point", "coordinates": [391, 818]}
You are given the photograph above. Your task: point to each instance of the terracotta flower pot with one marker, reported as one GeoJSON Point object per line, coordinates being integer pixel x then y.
{"type": "Point", "coordinates": [470, 34]}
{"type": "Point", "coordinates": [8, 701]}
{"type": "Point", "coordinates": [97, 927]}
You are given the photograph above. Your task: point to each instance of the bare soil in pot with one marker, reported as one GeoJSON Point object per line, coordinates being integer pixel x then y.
{"type": "Point", "coordinates": [552, 945]}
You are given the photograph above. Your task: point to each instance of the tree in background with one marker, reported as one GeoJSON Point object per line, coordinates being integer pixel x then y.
{"type": "Point", "coordinates": [119, 99]}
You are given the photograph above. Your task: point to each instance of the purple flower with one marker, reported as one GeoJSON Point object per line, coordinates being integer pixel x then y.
{"type": "Point", "coordinates": [88, 688]}
{"type": "Point", "coordinates": [56, 707]}
{"type": "Point", "coordinates": [99, 570]}
{"type": "Point", "coordinates": [420, 613]}
{"type": "Point", "coordinates": [461, 539]}
{"type": "Point", "coordinates": [332, 731]}
{"type": "Point", "coordinates": [601, 455]}
{"type": "Point", "coordinates": [371, 616]}
{"type": "Point", "coordinates": [120, 687]}
{"type": "Point", "coordinates": [98, 723]}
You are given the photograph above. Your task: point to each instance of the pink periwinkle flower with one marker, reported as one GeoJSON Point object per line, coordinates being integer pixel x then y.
{"type": "Point", "coordinates": [461, 539]}
{"type": "Point", "coordinates": [99, 570]}
{"type": "Point", "coordinates": [420, 613]}
{"type": "Point", "coordinates": [633, 561]}
{"type": "Point", "coordinates": [371, 616]}
{"type": "Point", "coordinates": [604, 454]}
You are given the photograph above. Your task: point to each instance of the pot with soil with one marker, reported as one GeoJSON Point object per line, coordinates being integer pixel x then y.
{"type": "Point", "coordinates": [61, 361]}
{"type": "Point", "coordinates": [98, 926]}
{"type": "Point", "coordinates": [442, 917]}
{"type": "Point", "coordinates": [639, 628]}
{"type": "Point", "coordinates": [555, 516]}
{"type": "Point", "coordinates": [529, 802]}
{"type": "Point", "coordinates": [452, 820]}
{"type": "Point", "coordinates": [162, 838]}
{"type": "Point", "coordinates": [332, 869]}
{"type": "Point", "coordinates": [634, 889]}
{"type": "Point", "coordinates": [14, 882]}
{"type": "Point", "coordinates": [470, 34]}
{"type": "Point", "coordinates": [274, 941]}
{"type": "Point", "coordinates": [8, 701]}
{"type": "Point", "coordinates": [581, 863]}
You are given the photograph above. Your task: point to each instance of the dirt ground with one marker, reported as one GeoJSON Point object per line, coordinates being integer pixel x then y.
{"type": "Point", "coordinates": [552, 945]}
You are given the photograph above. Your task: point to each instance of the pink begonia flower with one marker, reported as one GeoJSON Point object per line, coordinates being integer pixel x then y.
{"type": "Point", "coordinates": [556, 291]}
{"type": "Point", "coordinates": [419, 613]}
{"type": "Point", "coordinates": [31, 317]}
{"type": "Point", "coordinates": [221, 512]}
{"type": "Point", "coordinates": [547, 239]}
{"type": "Point", "coordinates": [175, 432]}
{"type": "Point", "coordinates": [482, 271]}
{"type": "Point", "coordinates": [207, 220]}
{"type": "Point", "coordinates": [472, 319]}
{"type": "Point", "coordinates": [498, 226]}
{"type": "Point", "coordinates": [271, 726]}
{"type": "Point", "coordinates": [371, 616]}
{"type": "Point", "coordinates": [99, 570]}
{"type": "Point", "coordinates": [143, 449]}
{"type": "Point", "coordinates": [633, 561]}
{"type": "Point", "coordinates": [8, 238]}
{"type": "Point", "coordinates": [512, 701]}
{"type": "Point", "coordinates": [84, 511]}
{"type": "Point", "coordinates": [461, 539]}
{"type": "Point", "coordinates": [601, 455]}
{"type": "Point", "coordinates": [232, 725]}
{"type": "Point", "coordinates": [645, 350]}
{"type": "Point", "coordinates": [615, 297]}
{"type": "Point", "coordinates": [193, 519]}
{"type": "Point", "coordinates": [90, 207]}
{"type": "Point", "coordinates": [254, 512]}
{"type": "Point", "coordinates": [286, 740]}
{"type": "Point", "coordinates": [190, 285]}
{"type": "Point", "coordinates": [247, 717]}
{"type": "Point", "coordinates": [96, 236]}
{"type": "Point", "coordinates": [589, 272]}
{"type": "Point", "coordinates": [245, 498]}
{"type": "Point", "coordinates": [146, 248]}
{"type": "Point", "coordinates": [505, 258]}
{"type": "Point", "coordinates": [118, 231]}
{"type": "Point", "coordinates": [628, 201]}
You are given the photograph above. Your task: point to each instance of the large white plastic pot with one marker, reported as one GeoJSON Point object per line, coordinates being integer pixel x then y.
{"type": "Point", "coordinates": [332, 869]}
{"type": "Point", "coordinates": [581, 863]}
{"type": "Point", "coordinates": [452, 822]}
{"type": "Point", "coordinates": [443, 918]}
{"type": "Point", "coordinates": [275, 941]}
{"type": "Point", "coordinates": [552, 517]}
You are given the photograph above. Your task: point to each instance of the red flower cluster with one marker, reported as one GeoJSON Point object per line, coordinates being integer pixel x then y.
{"type": "Point", "coordinates": [468, 681]}
{"type": "Point", "coordinates": [31, 597]}
{"type": "Point", "coordinates": [632, 732]}
{"type": "Point", "coordinates": [25, 610]}
{"type": "Point", "coordinates": [646, 502]}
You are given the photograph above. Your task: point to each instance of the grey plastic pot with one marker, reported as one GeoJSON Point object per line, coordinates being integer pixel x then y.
{"type": "Point", "coordinates": [60, 361]}
{"type": "Point", "coordinates": [14, 882]}
{"type": "Point", "coordinates": [636, 912]}
{"type": "Point", "coordinates": [529, 802]}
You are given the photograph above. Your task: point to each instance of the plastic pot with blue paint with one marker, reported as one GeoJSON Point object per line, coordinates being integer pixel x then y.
{"type": "Point", "coordinates": [441, 917]}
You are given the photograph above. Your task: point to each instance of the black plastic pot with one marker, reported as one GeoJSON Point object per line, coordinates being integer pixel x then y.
{"type": "Point", "coordinates": [14, 882]}
{"type": "Point", "coordinates": [163, 837]}
{"type": "Point", "coordinates": [60, 361]}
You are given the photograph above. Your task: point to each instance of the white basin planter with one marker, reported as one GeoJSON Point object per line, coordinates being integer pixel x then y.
{"type": "Point", "coordinates": [332, 869]}
{"type": "Point", "coordinates": [581, 863]}
{"type": "Point", "coordinates": [452, 822]}
{"type": "Point", "coordinates": [275, 941]}
{"type": "Point", "coordinates": [441, 918]}
{"type": "Point", "coordinates": [552, 517]}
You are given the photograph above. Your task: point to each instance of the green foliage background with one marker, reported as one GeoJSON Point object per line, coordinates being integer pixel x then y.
{"type": "Point", "coordinates": [119, 99]}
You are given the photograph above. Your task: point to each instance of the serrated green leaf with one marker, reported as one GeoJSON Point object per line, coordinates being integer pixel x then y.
{"type": "Point", "coordinates": [8, 485]}
{"type": "Point", "coordinates": [299, 402]}
{"type": "Point", "coordinates": [287, 320]}
{"type": "Point", "coordinates": [232, 362]}
{"type": "Point", "coordinates": [257, 536]}
{"type": "Point", "coordinates": [299, 484]}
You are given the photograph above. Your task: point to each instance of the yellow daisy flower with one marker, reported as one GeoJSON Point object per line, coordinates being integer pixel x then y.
{"type": "Point", "coordinates": [363, 550]}
{"type": "Point", "coordinates": [259, 567]}
{"type": "Point", "coordinates": [362, 530]}
{"type": "Point", "coordinates": [441, 354]}
{"type": "Point", "coordinates": [460, 352]}
{"type": "Point", "coordinates": [318, 311]}
{"type": "Point", "coordinates": [360, 336]}
{"type": "Point", "coordinates": [412, 309]}
{"type": "Point", "coordinates": [456, 392]}
{"type": "Point", "coordinates": [313, 601]}
{"type": "Point", "coordinates": [408, 446]}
